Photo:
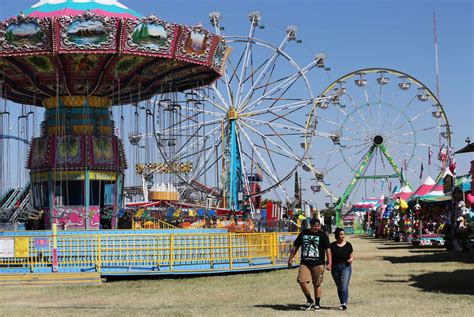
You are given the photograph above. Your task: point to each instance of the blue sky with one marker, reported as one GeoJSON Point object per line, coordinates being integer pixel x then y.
{"type": "Point", "coordinates": [354, 34]}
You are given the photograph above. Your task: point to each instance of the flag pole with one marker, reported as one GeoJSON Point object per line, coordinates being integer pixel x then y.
{"type": "Point", "coordinates": [436, 55]}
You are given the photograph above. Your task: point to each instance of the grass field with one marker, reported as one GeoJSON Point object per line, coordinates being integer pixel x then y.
{"type": "Point", "coordinates": [389, 279]}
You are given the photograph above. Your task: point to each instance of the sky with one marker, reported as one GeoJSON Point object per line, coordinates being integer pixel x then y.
{"type": "Point", "coordinates": [354, 34]}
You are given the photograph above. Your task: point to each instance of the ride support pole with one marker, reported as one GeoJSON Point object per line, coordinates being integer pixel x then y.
{"type": "Point", "coordinates": [55, 247]}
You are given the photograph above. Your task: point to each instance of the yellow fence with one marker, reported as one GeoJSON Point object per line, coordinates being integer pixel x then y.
{"type": "Point", "coordinates": [134, 253]}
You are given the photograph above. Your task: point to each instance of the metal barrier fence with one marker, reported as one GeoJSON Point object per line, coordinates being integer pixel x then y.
{"type": "Point", "coordinates": [135, 254]}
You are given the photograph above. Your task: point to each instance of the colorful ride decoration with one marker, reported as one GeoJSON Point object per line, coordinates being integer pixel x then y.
{"type": "Point", "coordinates": [77, 60]}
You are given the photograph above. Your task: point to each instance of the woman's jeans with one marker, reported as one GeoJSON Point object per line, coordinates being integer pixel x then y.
{"type": "Point", "coordinates": [341, 273]}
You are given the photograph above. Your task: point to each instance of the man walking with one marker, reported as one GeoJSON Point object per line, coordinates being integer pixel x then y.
{"type": "Point", "coordinates": [315, 248]}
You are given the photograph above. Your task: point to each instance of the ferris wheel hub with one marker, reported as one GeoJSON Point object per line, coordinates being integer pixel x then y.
{"type": "Point", "coordinates": [378, 140]}
{"type": "Point", "coordinates": [232, 114]}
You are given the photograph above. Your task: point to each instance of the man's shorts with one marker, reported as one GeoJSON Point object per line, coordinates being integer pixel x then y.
{"type": "Point", "coordinates": [307, 274]}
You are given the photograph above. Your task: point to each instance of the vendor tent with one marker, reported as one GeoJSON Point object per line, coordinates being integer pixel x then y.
{"type": "Point", "coordinates": [365, 204]}
{"type": "Point", "coordinates": [404, 193]}
{"type": "Point", "coordinates": [436, 193]}
{"type": "Point", "coordinates": [424, 188]}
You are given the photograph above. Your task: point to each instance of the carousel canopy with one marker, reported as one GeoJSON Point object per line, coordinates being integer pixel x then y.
{"type": "Point", "coordinates": [57, 8]}
{"type": "Point", "coordinates": [101, 48]}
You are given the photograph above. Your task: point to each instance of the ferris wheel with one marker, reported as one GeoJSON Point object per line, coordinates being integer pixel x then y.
{"type": "Point", "coordinates": [247, 133]}
{"type": "Point", "coordinates": [384, 126]}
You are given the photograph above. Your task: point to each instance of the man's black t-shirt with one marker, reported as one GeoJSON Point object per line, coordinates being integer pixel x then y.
{"type": "Point", "coordinates": [313, 247]}
{"type": "Point", "coordinates": [340, 254]}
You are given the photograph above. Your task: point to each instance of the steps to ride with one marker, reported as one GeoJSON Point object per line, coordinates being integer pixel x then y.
{"type": "Point", "coordinates": [54, 279]}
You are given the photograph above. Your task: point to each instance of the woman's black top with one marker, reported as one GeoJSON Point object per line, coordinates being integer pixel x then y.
{"type": "Point", "coordinates": [340, 254]}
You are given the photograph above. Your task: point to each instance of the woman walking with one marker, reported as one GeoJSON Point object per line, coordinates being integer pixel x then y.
{"type": "Point", "coordinates": [342, 258]}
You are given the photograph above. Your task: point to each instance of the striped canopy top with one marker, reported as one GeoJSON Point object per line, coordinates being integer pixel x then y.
{"type": "Point", "coordinates": [55, 8]}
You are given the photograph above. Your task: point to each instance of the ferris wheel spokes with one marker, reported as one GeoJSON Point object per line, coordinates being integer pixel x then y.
{"type": "Point", "coordinates": [290, 106]}
{"type": "Point", "coordinates": [367, 130]}
{"type": "Point", "coordinates": [269, 63]}
{"type": "Point", "coordinates": [287, 83]}
{"type": "Point", "coordinates": [212, 102]}
{"type": "Point", "coordinates": [264, 137]}
{"type": "Point", "coordinates": [410, 121]}
{"type": "Point", "coordinates": [190, 143]}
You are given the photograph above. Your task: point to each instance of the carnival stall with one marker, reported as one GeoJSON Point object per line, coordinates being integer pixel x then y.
{"type": "Point", "coordinates": [430, 214]}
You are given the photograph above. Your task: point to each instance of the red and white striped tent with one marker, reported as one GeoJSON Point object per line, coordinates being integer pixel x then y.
{"type": "Point", "coordinates": [405, 193]}
{"type": "Point", "coordinates": [424, 188]}
{"type": "Point", "coordinates": [368, 203]}
{"type": "Point", "coordinates": [437, 189]}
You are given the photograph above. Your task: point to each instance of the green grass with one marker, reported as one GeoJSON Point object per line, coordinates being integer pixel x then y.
{"type": "Point", "coordinates": [389, 279]}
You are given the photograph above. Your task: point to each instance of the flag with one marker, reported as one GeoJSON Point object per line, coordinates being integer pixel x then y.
{"type": "Point", "coordinates": [430, 153]}
{"type": "Point", "coordinates": [421, 170]}
{"type": "Point", "coordinates": [442, 155]}
{"type": "Point", "coordinates": [452, 162]}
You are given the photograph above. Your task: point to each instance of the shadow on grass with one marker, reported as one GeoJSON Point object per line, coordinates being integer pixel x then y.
{"type": "Point", "coordinates": [137, 277]}
{"type": "Point", "coordinates": [428, 250]}
{"type": "Point", "coordinates": [438, 257]}
{"type": "Point", "coordinates": [291, 307]}
{"type": "Point", "coordinates": [393, 281]}
{"type": "Point", "coordinates": [398, 247]}
{"type": "Point", "coordinates": [457, 282]}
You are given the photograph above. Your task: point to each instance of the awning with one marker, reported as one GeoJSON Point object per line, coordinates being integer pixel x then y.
{"type": "Point", "coordinates": [434, 199]}
{"type": "Point", "coordinates": [468, 148]}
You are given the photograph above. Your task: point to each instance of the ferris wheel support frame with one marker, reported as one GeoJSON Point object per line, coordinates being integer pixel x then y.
{"type": "Point", "coordinates": [359, 175]}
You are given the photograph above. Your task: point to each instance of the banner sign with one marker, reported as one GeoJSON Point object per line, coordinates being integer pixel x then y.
{"type": "Point", "coordinates": [21, 247]}
{"type": "Point", "coordinates": [41, 243]}
{"type": "Point", "coordinates": [7, 248]}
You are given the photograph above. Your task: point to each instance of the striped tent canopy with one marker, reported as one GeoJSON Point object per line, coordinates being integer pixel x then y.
{"type": "Point", "coordinates": [464, 182]}
{"type": "Point", "coordinates": [424, 188]}
{"type": "Point", "coordinates": [368, 203]}
{"type": "Point", "coordinates": [55, 8]}
{"type": "Point", "coordinates": [404, 193]}
{"type": "Point", "coordinates": [436, 192]}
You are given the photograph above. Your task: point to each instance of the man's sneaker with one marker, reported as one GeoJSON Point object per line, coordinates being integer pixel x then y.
{"type": "Point", "coordinates": [308, 306]}
{"type": "Point", "coordinates": [343, 307]}
{"type": "Point", "coordinates": [317, 307]}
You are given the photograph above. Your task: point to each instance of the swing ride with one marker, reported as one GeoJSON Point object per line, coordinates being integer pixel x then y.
{"type": "Point", "coordinates": [198, 126]}
{"type": "Point", "coordinates": [78, 61]}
